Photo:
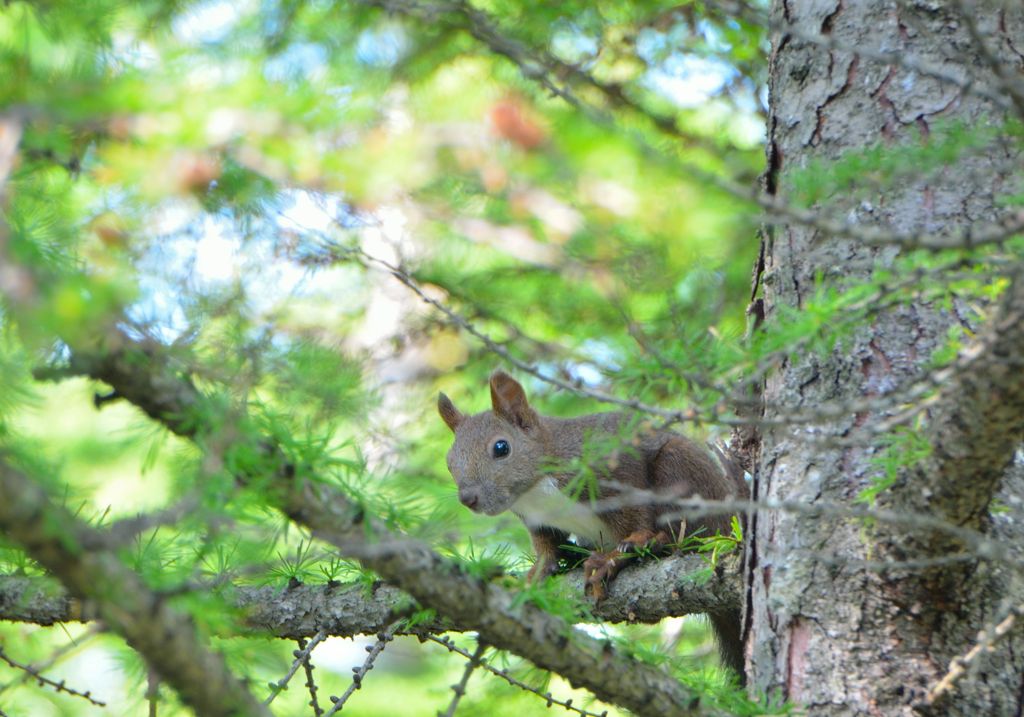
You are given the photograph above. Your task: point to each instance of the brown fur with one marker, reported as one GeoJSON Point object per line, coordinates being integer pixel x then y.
{"type": "Point", "coordinates": [659, 461]}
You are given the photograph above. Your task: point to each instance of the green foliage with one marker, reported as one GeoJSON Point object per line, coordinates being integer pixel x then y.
{"type": "Point", "coordinates": [554, 598]}
{"type": "Point", "coordinates": [485, 564]}
{"type": "Point", "coordinates": [258, 191]}
{"type": "Point", "coordinates": [711, 549]}
{"type": "Point", "coordinates": [865, 171]}
{"type": "Point", "coordinates": [902, 448]}
{"type": "Point", "coordinates": [600, 452]}
{"type": "Point", "coordinates": [718, 690]}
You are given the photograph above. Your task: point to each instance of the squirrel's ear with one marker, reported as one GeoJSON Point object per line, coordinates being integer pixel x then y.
{"type": "Point", "coordinates": [509, 401]}
{"type": "Point", "coordinates": [451, 415]}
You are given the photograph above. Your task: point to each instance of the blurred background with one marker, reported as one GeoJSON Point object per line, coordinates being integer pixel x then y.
{"type": "Point", "coordinates": [282, 193]}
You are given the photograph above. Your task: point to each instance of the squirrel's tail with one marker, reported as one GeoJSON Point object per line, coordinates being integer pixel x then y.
{"type": "Point", "coordinates": [728, 633]}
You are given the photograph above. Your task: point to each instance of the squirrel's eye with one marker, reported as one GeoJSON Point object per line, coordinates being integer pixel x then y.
{"type": "Point", "coordinates": [501, 448]}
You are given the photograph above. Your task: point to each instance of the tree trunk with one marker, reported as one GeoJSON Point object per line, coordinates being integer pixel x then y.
{"type": "Point", "coordinates": [825, 626]}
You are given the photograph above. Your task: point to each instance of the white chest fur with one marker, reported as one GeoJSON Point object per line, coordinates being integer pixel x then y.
{"type": "Point", "coordinates": [546, 505]}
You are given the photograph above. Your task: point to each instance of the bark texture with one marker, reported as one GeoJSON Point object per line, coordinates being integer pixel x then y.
{"type": "Point", "coordinates": [647, 592]}
{"type": "Point", "coordinates": [823, 629]}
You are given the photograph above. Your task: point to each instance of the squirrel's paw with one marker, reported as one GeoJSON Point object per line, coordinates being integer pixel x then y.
{"type": "Point", "coordinates": [636, 541]}
{"type": "Point", "coordinates": [599, 569]}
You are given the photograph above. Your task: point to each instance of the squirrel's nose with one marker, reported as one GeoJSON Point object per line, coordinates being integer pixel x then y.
{"type": "Point", "coordinates": [470, 497]}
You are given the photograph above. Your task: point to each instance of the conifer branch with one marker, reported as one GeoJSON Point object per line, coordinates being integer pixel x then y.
{"type": "Point", "coordinates": [73, 645]}
{"type": "Point", "coordinates": [644, 593]}
{"type": "Point", "coordinates": [985, 643]}
{"type": "Point", "coordinates": [143, 375]}
{"type": "Point", "coordinates": [311, 686]}
{"type": "Point", "coordinates": [166, 637]}
{"type": "Point", "coordinates": [301, 658]}
{"type": "Point", "coordinates": [37, 676]}
{"type": "Point", "coordinates": [907, 395]}
{"type": "Point", "coordinates": [972, 436]}
{"type": "Point", "coordinates": [504, 674]}
{"type": "Point", "coordinates": [533, 66]}
{"type": "Point", "coordinates": [473, 661]}
{"type": "Point", "coordinates": [358, 673]}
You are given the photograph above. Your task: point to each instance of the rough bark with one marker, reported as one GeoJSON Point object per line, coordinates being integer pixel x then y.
{"type": "Point", "coordinates": [977, 422]}
{"type": "Point", "coordinates": [831, 635]}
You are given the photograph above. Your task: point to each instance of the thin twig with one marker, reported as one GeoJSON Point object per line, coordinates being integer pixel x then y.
{"type": "Point", "coordinates": [122, 532]}
{"type": "Point", "coordinates": [460, 688]}
{"type": "Point", "coordinates": [57, 655]}
{"type": "Point", "coordinates": [307, 665]}
{"type": "Point", "coordinates": [301, 656]}
{"type": "Point", "coordinates": [484, 28]}
{"type": "Point", "coordinates": [503, 674]}
{"type": "Point", "coordinates": [913, 389]}
{"type": "Point", "coordinates": [982, 547]}
{"type": "Point", "coordinates": [358, 673]}
{"type": "Point", "coordinates": [576, 387]}
{"type": "Point", "coordinates": [58, 686]}
{"type": "Point", "coordinates": [986, 643]}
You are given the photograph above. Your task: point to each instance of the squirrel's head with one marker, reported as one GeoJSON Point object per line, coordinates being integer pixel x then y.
{"type": "Point", "coordinates": [497, 455]}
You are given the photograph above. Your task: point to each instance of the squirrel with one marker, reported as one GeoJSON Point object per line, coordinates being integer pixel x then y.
{"type": "Point", "coordinates": [512, 458]}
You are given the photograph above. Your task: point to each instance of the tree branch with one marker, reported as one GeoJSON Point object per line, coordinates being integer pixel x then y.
{"type": "Point", "coordinates": [166, 637]}
{"type": "Point", "coordinates": [643, 593]}
{"type": "Point", "coordinates": [143, 375]}
{"type": "Point", "coordinates": [976, 423]}
{"type": "Point", "coordinates": [534, 67]}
